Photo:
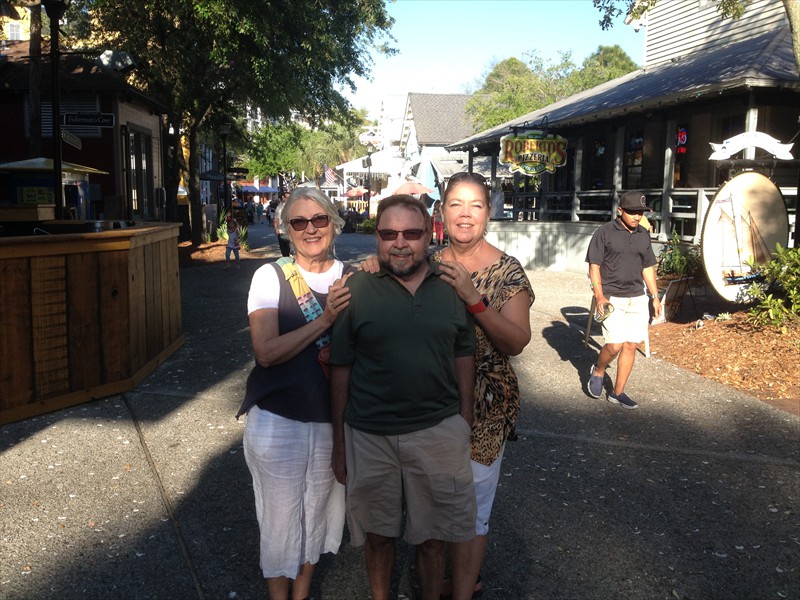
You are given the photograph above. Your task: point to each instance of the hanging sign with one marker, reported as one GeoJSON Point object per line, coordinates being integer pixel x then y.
{"type": "Point", "coordinates": [750, 139]}
{"type": "Point", "coordinates": [71, 139]}
{"type": "Point", "coordinates": [533, 152]}
{"type": "Point", "coordinates": [88, 119]}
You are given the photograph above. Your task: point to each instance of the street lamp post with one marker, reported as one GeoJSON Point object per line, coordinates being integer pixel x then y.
{"type": "Point", "coordinates": [369, 174]}
{"type": "Point", "coordinates": [225, 129]}
{"type": "Point", "coordinates": [55, 11]}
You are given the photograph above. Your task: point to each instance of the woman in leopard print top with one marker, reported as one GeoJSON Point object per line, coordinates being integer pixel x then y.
{"type": "Point", "coordinates": [497, 291]}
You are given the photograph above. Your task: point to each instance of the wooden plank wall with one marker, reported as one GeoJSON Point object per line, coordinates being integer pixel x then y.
{"type": "Point", "coordinates": [49, 327]}
{"type": "Point", "coordinates": [85, 350]}
{"type": "Point", "coordinates": [16, 343]}
{"type": "Point", "coordinates": [114, 313]}
{"type": "Point", "coordinates": [81, 325]}
{"type": "Point", "coordinates": [678, 28]}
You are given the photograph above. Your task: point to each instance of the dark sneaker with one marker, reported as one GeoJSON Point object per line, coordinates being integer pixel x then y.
{"type": "Point", "coordinates": [595, 384]}
{"type": "Point", "coordinates": [622, 399]}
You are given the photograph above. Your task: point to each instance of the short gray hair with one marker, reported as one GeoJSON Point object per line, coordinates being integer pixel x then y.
{"type": "Point", "coordinates": [313, 194]}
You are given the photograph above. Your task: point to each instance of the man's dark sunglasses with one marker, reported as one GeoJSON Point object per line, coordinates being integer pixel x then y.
{"type": "Point", "coordinates": [301, 223]}
{"type": "Point", "coordinates": [389, 235]}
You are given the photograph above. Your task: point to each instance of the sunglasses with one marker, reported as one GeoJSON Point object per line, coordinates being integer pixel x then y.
{"type": "Point", "coordinates": [389, 235]}
{"type": "Point", "coordinates": [301, 223]}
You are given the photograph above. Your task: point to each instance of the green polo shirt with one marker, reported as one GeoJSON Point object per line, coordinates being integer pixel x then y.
{"type": "Point", "coordinates": [402, 350]}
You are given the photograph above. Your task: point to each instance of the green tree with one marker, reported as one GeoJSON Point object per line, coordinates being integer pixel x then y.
{"type": "Point", "coordinates": [275, 148]}
{"type": "Point", "coordinates": [333, 143]}
{"type": "Point", "coordinates": [282, 147]}
{"type": "Point", "coordinates": [513, 88]}
{"type": "Point", "coordinates": [203, 58]}
{"type": "Point", "coordinates": [607, 63]}
{"type": "Point", "coordinates": [734, 9]}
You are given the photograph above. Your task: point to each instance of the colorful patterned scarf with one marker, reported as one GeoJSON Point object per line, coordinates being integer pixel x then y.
{"type": "Point", "coordinates": [305, 297]}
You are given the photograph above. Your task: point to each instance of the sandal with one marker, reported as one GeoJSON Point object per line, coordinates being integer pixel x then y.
{"type": "Point", "coordinates": [476, 592]}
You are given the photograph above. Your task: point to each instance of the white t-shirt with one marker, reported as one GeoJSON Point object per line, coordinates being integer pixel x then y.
{"type": "Point", "coordinates": [265, 286]}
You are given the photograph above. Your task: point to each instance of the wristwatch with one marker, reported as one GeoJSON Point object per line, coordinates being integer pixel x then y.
{"type": "Point", "coordinates": [479, 307]}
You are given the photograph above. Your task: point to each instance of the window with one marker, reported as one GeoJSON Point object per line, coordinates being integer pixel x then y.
{"type": "Point", "coordinates": [69, 104]}
{"type": "Point", "coordinates": [634, 154]}
{"type": "Point", "coordinates": [681, 157]}
{"type": "Point", "coordinates": [140, 183]}
{"type": "Point", "coordinates": [598, 151]}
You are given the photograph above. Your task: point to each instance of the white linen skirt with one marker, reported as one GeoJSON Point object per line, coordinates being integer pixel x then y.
{"type": "Point", "coordinates": [299, 504]}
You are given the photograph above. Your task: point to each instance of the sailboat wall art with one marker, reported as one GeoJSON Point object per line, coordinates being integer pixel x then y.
{"type": "Point", "coordinates": [743, 225]}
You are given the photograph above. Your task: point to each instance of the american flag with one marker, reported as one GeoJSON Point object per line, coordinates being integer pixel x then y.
{"type": "Point", "coordinates": [330, 176]}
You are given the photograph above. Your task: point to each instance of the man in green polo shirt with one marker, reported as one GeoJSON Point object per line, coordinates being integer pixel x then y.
{"type": "Point", "coordinates": [402, 379]}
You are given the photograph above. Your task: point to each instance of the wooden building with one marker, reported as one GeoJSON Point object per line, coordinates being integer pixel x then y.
{"type": "Point", "coordinates": [125, 141]}
{"type": "Point", "coordinates": [704, 81]}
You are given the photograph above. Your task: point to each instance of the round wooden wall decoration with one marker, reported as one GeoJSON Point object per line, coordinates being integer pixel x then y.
{"type": "Point", "coordinates": [745, 221]}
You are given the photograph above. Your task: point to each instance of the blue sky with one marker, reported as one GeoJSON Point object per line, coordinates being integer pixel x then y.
{"type": "Point", "coordinates": [448, 46]}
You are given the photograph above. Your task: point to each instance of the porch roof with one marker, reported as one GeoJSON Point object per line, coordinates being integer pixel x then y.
{"type": "Point", "coordinates": [761, 61]}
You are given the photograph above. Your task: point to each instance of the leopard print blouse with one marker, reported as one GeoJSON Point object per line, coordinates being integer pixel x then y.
{"type": "Point", "coordinates": [496, 388]}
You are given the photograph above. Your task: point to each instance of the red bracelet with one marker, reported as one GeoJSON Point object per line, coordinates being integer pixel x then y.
{"type": "Point", "coordinates": [479, 307]}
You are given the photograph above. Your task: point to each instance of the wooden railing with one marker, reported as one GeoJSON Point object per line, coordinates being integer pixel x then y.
{"type": "Point", "coordinates": [680, 210]}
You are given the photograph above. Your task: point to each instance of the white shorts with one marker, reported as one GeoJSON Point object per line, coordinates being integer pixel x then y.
{"type": "Point", "coordinates": [299, 504]}
{"type": "Point", "coordinates": [629, 320]}
{"type": "Point", "coordinates": [486, 480]}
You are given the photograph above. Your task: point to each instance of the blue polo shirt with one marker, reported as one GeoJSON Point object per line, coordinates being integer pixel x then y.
{"type": "Point", "coordinates": [622, 256]}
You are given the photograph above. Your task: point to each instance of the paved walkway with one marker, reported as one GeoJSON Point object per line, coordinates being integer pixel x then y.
{"type": "Point", "coordinates": [146, 494]}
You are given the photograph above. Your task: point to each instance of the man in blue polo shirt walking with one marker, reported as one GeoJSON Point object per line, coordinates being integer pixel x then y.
{"type": "Point", "coordinates": [622, 271]}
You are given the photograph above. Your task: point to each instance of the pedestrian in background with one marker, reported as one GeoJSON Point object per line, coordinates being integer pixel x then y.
{"type": "Point", "coordinates": [234, 244]}
{"type": "Point", "coordinates": [496, 290]}
{"type": "Point", "coordinates": [402, 375]}
{"type": "Point", "coordinates": [438, 223]}
{"type": "Point", "coordinates": [280, 226]}
{"type": "Point", "coordinates": [622, 272]}
{"type": "Point", "coordinates": [288, 438]}
{"type": "Point", "coordinates": [260, 211]}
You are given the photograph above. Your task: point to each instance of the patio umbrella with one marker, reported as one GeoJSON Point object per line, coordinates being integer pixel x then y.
{"type": "Point", "coordinates": [413, 187]}
{"type": "Point", "coordinates": [42, 164]}
{"type": "Point", "coordinates": [356, 191]}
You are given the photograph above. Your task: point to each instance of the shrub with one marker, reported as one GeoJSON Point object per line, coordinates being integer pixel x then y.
{"type": "Point", "coordinates": [222, 232]}
{"type": "Point", "coordinates": [777, 293]}
{"type": "Point", "coordinates": [672, 262]}
{"type": "Point", "coordinates": [368, 226]}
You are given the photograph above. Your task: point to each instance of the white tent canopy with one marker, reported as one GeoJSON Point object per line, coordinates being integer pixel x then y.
{"type": "Point", "coordinates": [384, 161]}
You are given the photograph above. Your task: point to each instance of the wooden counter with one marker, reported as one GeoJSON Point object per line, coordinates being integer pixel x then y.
{"type": "Point", "coordinates": [85, 315]}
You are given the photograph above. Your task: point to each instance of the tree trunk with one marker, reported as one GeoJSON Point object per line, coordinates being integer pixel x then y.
{"type": "Point", "coordinates": [793, 15]}
{"type": "Point", "coordinates": [193, 187]}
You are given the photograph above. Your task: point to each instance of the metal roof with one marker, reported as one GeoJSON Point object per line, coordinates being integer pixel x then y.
{"type": "Point", "coordinates": [77, 74]}
{"type": "Point", "coordinates": [762, 61]}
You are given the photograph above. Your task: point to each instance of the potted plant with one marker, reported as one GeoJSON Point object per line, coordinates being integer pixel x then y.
{"type": "Point", "coordinates": [674, 262]}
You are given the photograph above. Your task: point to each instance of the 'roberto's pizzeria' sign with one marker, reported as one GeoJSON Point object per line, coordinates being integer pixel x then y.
{"type": "Point", "coordinates": [533, 152]}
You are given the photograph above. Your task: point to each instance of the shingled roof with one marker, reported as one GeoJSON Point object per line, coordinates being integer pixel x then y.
{"type": "Point", "coordinates": [440, 118]}
{"type": "Point", "coordinates": [761, 61]}
{"type": "Point", "coordinates": [78, 74]}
